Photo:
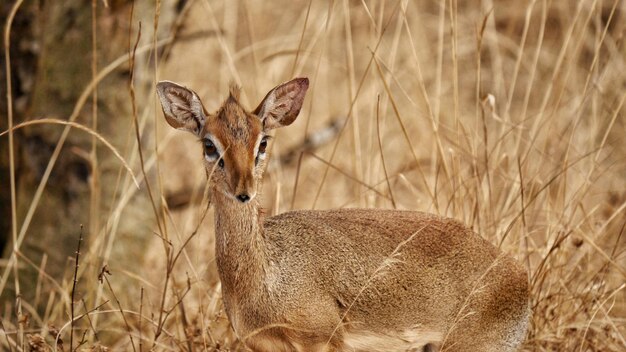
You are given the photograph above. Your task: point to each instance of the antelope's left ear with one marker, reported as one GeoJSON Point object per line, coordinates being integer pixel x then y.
{"type": "Point", "coordinates": [281, 105]}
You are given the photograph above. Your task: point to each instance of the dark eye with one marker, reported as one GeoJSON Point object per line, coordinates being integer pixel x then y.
{"type": "Point", "coordinates": [209, 149]}
{"type": "Point", "coordinates": [221, 163]}
{"type": "Point", "coordinates": [263, 146]}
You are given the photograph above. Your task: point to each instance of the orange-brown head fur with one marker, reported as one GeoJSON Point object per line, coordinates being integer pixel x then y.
{"type": "Point", "coordinates": [234, 138]}
{"type": "Point", "coordinates": [238, 134]}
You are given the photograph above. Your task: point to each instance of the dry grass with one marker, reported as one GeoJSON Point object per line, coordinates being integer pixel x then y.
{"type": "Point", "coordinates": [508, 116]}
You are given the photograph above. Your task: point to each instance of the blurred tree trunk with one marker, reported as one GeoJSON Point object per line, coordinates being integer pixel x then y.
{"type": "Point", "coordinates": [79, 190]}
{"type": "Point", "coordinates": [24, 61]}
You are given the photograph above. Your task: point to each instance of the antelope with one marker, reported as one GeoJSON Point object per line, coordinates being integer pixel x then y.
{"type": "Point", "coordinates": [341, 279]}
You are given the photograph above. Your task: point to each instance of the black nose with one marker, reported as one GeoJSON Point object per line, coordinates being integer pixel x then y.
{"type": "Point", "coordinates": [243, 197]}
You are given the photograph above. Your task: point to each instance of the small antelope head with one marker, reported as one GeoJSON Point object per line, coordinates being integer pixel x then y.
{"type": "Point", "coordinates": [234, 140]}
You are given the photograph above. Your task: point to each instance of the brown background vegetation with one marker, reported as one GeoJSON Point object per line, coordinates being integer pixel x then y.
{"type": "Point", "coordinates": [507, 115]}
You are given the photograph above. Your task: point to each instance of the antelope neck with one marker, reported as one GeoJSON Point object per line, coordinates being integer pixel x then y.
{"type": "Point", "coordinates": [239, 246]}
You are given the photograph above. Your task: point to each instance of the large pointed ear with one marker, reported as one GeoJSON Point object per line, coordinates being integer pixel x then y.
{"type": "Point", "coordinates": [182, 107]}
{"type": "Point", "coordinates": [281, 105]}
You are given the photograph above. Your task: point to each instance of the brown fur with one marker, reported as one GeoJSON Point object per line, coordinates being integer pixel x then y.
{"type": "Point", "coordinates": [348, 279]}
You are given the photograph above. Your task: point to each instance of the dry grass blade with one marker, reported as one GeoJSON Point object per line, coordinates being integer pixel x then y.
{"type": "Point", "coordinates": [405, 132]}
{"type": "Point", "coordinates": [306, 21]}
{"type": "Point", "coordinates": [86, 314]}
{"type": "Point", "coordinates": [140, 320]}
{"type": "Point", "coordinates": [104, 277]}
{"type": "Point", "coordinates": [10, 343]}
{"type": "Point", "coordinates": [382, 155]}
{"type": "Point", "coordinates": [131, 87]}
{"type": "Point", "coordinates": [95, 188]}
{"type": "Point", "coordinates": [295, 182]}
{"type": "Point", "coordinates": [7, 58]}
{"type": "Point", "coordinates": [74, 282]}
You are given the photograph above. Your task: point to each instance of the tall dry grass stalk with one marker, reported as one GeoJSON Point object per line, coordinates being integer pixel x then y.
{"type": "Point", "coordinates": [507, 115]}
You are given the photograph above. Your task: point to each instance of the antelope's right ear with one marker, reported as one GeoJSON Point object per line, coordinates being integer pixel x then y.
{"type": "Point", "coordinates": [182, 107]}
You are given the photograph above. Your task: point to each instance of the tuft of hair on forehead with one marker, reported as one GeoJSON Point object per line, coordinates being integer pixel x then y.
{"type": "Point", "coordinates": [234, 91]}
